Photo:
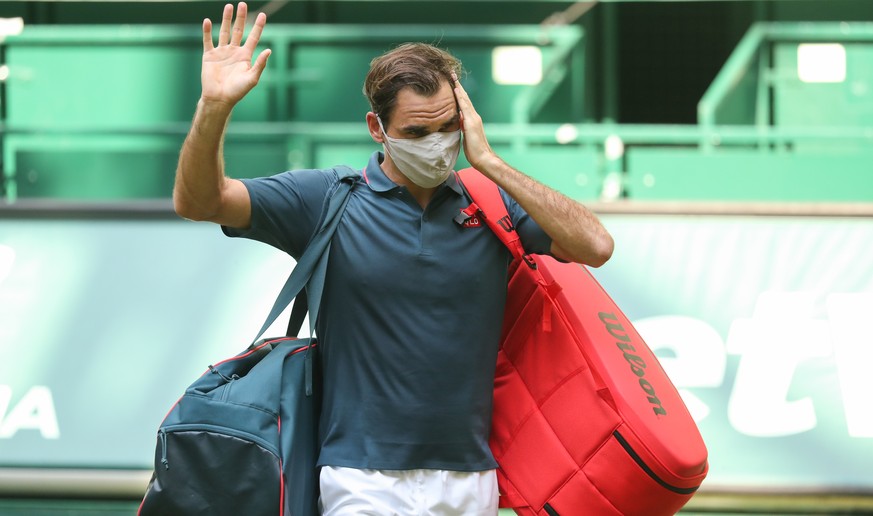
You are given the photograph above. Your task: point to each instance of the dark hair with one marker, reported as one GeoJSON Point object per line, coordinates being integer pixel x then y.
{"type": "Point", "coordinates": [419, 66]}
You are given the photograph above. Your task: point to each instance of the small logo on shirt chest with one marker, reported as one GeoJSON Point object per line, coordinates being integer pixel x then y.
{"type": "Point", "coordinates": [473, 222]}
{"type": "Point", "coordinates": [469, 217]}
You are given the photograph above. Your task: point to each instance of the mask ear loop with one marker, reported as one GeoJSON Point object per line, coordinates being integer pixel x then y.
{"type": "Point", "coordinates": [385, 137]}
{"type": "Point", "coordinates": [382, 127]}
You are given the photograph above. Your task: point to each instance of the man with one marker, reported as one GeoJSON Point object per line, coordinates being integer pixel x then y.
{"type": "Point", "coordinates": [413, 301]}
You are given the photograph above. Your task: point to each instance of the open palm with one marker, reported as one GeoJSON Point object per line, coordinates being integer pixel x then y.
{"type": "Point", "coordinates": [228, 73]}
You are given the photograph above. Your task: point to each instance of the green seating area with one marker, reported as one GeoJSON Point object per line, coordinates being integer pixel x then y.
{"type": "Point", "coordinates": [113, 130]}
{"type": "Point", "coordinates": [97, 113]}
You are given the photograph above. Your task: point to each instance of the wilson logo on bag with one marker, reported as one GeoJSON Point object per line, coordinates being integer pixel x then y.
{"type": "Point", "coordinates": [637, 364]}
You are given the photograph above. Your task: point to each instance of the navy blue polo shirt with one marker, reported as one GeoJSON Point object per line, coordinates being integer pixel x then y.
{"type": "Point", "coordinates": [410, 319]}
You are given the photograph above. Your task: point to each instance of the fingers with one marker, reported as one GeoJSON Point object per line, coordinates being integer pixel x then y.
{"type": "Point", "coordinates": [260, 63]}
{"type": "Point", "coordinates": [231, 31]}
{"type": "Point", "coordinates": [464, 105]}
{"type": "Point", "coordinates": [224, 31]}
{"type": "Point", "coordinates": [239, 24]}
{"type": "Point", "coordinates": [207, 35]}
{"type": "Point", "coordinates": [255, 34]}
{"type": "Point", "coordinates": [461, 95]}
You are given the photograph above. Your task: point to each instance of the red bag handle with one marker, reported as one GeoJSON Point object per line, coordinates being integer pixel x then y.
{"type": "Point", "coordinates": [487, 199]}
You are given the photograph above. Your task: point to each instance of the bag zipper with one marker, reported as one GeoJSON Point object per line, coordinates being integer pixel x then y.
{"type": "Point", "coordinates": [162, 435]}
{"type": "Point", "coordinates": [219, 430]}
{"type": "Point", "coordinates": [639, 460]}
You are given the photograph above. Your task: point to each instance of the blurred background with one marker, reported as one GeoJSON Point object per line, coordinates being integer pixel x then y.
{"type": "Point", "coordinates": [727, 145]}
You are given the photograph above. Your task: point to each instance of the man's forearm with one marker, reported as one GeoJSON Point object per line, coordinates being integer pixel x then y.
{"type": "Point", "coordinates": [577, 235]}
{"type": "Point", "coordinates": [200, 171]}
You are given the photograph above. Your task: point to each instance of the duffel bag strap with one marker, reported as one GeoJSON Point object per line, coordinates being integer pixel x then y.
{"type": "Point", "coordinates": [311, 267]}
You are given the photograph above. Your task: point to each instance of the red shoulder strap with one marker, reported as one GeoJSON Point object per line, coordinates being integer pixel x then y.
{"type": "Point", "coordinates": [488, 201]}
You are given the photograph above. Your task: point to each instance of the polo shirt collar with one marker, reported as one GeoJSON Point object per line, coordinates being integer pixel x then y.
{"type": "Point", "coordinates": [454, 183]}
{"type": "Point", "coordinates": [379, 182]}
{"type": "Point", "coordinates": [375, 176]}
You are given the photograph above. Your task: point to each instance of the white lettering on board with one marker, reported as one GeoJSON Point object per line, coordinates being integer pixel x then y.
{"type": "Point", "coordinates": [34, 411]}
{"type": "Point", "coordinates": [781, 336]}
{"type": "Point", "coordinates": [851, 318]}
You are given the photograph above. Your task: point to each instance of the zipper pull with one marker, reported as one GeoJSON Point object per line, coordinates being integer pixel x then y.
{"type": "Point", "coordinates": [219, 373]}
{"type": "Point", "coordinates": [223, 376]}
{"type": "Point", "coordinates": [162, 434]}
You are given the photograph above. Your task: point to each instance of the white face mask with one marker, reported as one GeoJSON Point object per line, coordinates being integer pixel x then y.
{"type": "Point", "coordinates": [426, 161]}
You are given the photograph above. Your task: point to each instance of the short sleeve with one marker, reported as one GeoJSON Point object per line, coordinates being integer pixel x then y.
{"type": "Point", "coordinates": [533, 238]}
{"type": "Point", "coordinates": [286, 208]}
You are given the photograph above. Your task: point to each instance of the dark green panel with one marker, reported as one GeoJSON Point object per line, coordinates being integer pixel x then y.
{"type": "Point", "coordinates": [128, 171]}
{"type": "Point", "coordinates": [847, 103]}
{"type": "Point", "coordinates": [821, 10]}
{"type": "Point", "coordinates": [442, 12]}
{"type": "Point", "coordinates": [99, 112]}
{"type": "Point", "coordinates": [748, 175]}
{"type": "Point", "coordinates": [310, 11]}
{"type": "Point", "coordinates": [81, 83]}
{"type": "Point", "coordinates": [335, 93]}
{"type": "Point", "coordinates": [96, 175]}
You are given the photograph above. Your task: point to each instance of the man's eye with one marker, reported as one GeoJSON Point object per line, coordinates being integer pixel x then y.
{"type": "Point", "coordinates": [454, 126]}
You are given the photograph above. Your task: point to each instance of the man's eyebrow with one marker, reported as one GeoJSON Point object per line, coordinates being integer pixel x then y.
{"type": "Point", "coordinates": [414, 129]}
{"type": "Point", "coordinates": [421, 129]}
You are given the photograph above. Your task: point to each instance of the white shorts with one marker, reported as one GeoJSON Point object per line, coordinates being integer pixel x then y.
{"type": "Point", "coordinates": [420, 492]}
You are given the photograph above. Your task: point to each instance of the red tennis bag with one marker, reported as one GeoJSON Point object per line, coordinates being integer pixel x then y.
{"type": "Point", "coordinates": [586, 421]}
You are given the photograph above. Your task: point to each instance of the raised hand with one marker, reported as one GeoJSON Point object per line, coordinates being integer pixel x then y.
{"type": "Point", "coordinates": [228, 74]}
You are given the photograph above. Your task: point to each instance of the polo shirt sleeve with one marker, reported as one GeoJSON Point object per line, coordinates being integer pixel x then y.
{"type": "Point", "coordinates": [286, 208]}
{"type": "Point", "coordinates": [533, 238]}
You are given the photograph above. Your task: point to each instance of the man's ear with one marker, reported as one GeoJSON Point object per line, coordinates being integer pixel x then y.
{"type": "Point", "coordinates": [373, 127]}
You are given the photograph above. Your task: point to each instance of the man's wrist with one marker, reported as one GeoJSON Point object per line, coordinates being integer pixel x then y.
{"type": "Point", "coordinates": [214, 108]}
{"type": "Point", "coordinates": [490, 165]}
{"type": "Point", "coordinates": [211, 118]}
